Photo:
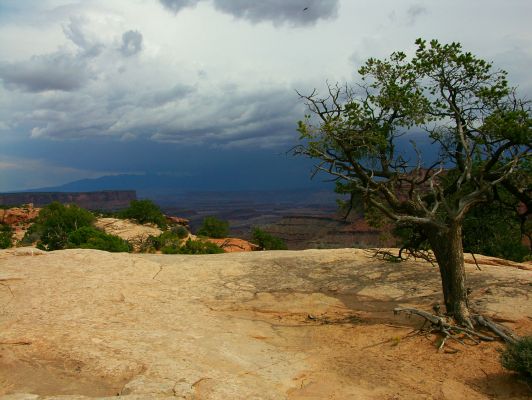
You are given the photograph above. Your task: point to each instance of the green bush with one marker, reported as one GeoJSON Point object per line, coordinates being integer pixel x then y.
{"type": "Point", "coordinates": [6, 236]}
{"type": "Point", "coordinates": [92, 238]}
{"type": "Point", "coordinates": [214, 228]}
{"type": "Point", "coordinates": [56, 221]}
{"type": "Point", "coordinates": [144, 211]}
{"type": "Point", "coordinates": [494, 229]}
{"type": "Point", "coordinates": [267, 241]}
{"type": "Point", "coordinates": [173, 238]}
{"type": "Point", "coordinates": [32, 236]}
{"type": "Point", "coordinates": [166, 239]}
{"type": "Point", "coordinates": [180, 231]}
{"type": "Point", "coordinates": [518, 357]}
{"type": "Point", "coordinates": [193, 247]}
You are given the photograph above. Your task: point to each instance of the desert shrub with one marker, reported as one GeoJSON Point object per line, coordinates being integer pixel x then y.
{"type": "Point", "coordinates": [166, 239]}
{"type": "Point", "coordinates": [170, 239]}
{"type": "Point", "coordinates": [170, 250]}
{"type": "Point", "coordinates": [105, 213]}
{"type": "Point", "coordinates": [267, 241]}
{"type": "Point", "coordinates": [6, 236]}
{"type": "Point", "coordinates": [193, 247]}
{"type": "Point", "coordinates": [214, 228]}
{"type": "Point", "coordinates": [92, 238]}
{"type": "Point", "coordinates": [56, 221]}
{"type": "Point", "coordinates": [32, 236]}
{"type": "Point", "coordinates": [517, 357]}
{"type": "Point", "coordinates": [144, 211]}
{"type": "Point", "coordinates": [180, 231]}
{"type": "Point", "coordinates": [146, 244]}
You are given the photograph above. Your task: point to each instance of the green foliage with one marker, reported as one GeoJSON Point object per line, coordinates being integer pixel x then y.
{"type": "Point", "coordinates": [509, 125]}
{"type": "Point", "coordinates": [267, 241]}
{"type": "Point", "coordinates": [166, 239]}
{"type": "Point", "coordinates": [6, 236]}
{"type": "Point", "coordinates": [32, 235]}
{"type": "Point", "coordinates": [518, 357]}
{"type": "Point", "coordinates": [494, 229]}
{"type": "Point", "coordinates": [214, 228]}
{"type": "Point", "coordinates": [193, 247]}
{"type": "Point", "coordinates": [170, 240]}
{"type": "Point", "coordinates": [92, 238]}
{"type": "Point", "coordinates": [180, 231]}
{"type": "Point", "coordinates": [144, 211]}
{"type": "Point", "coordinates": [56, 221]}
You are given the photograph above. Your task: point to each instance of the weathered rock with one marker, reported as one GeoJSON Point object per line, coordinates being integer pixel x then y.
{"type": "Point", "coordinates": [179, 221]}
{"type": "Point", "coordinates": [259, 325]}
{"type": "Point", "coordinates": [18, 215]}
{"type": "Point", "coordinates": [232, 245]}
{"type": "Point", "coordinates": [19, 218]}
{"type": "Point", "coordinates": [128, 230]}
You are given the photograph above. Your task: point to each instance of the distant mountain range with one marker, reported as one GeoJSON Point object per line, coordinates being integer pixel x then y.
{"type": "Point", "coordinates": [189, 191]}
{"type": "Point", "coordinates": [143, 184]}
{"type": "Point", "coordinates": [165, 183]}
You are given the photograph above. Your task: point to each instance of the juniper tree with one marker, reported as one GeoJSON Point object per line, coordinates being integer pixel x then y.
{"type": "Point", "coordinates": [481, 128]}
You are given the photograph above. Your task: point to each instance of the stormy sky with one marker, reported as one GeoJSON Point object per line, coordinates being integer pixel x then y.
{"type": "Point", "coordinates": [205, 88]}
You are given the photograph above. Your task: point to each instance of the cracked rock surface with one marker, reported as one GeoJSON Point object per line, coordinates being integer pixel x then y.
{"type": "Point", "coordinates": [314, 324]}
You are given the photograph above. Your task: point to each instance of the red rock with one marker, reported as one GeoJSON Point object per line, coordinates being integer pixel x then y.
{"type": "Point", "coordinates": [19, 218]}
{"type": "Point", "coordinates": [179, 221]}
{"type": "Point", "coordinates": [233, 245]}
{"type": "Point", "coordinates": [18, 215]}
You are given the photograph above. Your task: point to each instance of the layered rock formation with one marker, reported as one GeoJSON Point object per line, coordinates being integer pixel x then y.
{"type": "Point", "coordinates": [109, 200]}
{"type": "Point", "coordinates": [19, 218]}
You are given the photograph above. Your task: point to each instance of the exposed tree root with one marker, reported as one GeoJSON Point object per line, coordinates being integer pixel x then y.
{"type": "Point", "coordinates": [404, 254]}
{"type": "Point", "coordinates": [501, 331]}
{"type": "Point", "coordinates": [459, 333]}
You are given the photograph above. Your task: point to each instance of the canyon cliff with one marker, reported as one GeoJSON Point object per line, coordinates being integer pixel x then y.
{"type": "Point", "coordinates": [107, 200]}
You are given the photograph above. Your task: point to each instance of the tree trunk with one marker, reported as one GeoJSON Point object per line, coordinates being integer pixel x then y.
{"type": "Point", "coordinates": [448, 250]}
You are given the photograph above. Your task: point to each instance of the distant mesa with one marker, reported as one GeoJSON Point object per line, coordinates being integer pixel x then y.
{"type": "Point", "coordinates": [107, 200]}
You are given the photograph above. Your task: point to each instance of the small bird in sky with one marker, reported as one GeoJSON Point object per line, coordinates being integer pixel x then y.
{"type": "Point", "coordinates": [305, 9]}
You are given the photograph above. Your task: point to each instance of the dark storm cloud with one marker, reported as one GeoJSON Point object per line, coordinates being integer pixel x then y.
{"type": "Point", "coordinates": [57, 71]}
{"type": "Point", "coordinates": [131, 43]}
{"type": "Point", "coordinates": [264, 118]}
{"type": "Point", "coordinates": [224, 117]}
{"type": "Point", "coordinates": [293, 12]}
{"type": "Point", "coordinates": [161, 97]}
{"type": "Point", "coordinates": [296, 12]}
{"type": "Point", "coordinates": [178, 5]}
